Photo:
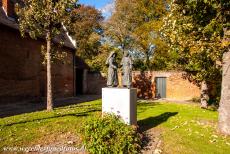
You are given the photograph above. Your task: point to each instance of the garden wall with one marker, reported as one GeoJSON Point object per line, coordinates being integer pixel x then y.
{"type": "Point", "coordinates": [177, 87]}
{"type": "Point", "coordinates": [95, 82]}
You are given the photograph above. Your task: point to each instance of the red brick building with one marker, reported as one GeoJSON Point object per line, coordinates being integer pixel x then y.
{"type": "Point", "coordinates": [22, 74]}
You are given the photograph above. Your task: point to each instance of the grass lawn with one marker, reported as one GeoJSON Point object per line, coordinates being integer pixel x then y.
{"type": "Point", "coordinates": [184, 128]}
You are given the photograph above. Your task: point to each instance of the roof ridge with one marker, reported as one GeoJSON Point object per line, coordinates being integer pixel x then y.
{"type": "Point", "coordinates": [67, 39]}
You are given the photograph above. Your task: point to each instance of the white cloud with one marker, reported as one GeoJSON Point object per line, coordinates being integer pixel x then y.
{"type": "Point", "coordinates": [108, 9]}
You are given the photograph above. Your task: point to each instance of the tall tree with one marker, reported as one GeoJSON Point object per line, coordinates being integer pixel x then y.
{"type": "Point", "coordinates": [194, 29]}
{"type": "Point", "coordinates": [135, 25]}
{"type": "Point", "coordinates": [45, 18]}
{"type": "Point", "coordinates": [224, 109]}
{"type": "Point", "coordinates": [86, 27]}
{"type": "Point", "coordinates": [146, 36]}
{"type": "Point", "coordinates": [119, 26]}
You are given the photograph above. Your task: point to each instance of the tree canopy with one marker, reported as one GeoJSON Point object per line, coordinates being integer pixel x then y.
{"type": "Point", "coordinates": [123, 21]}
{"type": "Point", "coordinates": [39, 17]}
{"type": "Point", "coordinates": [194, 29]}
{"type": "Point", "coordinates": [86, 28]}
{"type": "Point", "coordinates": [135, 26]}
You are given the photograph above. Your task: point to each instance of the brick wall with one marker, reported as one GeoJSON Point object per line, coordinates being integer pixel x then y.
{"type": "Point", "coordinates": [144, 82]}
{"type": "Point", "coordinates": [22, 75]}
{"type": "Point", "coordinates": [95, 82]}
{"type": "Point", "coordinates": [63, 78]}
{"type": "Point", "coordinates": [177, 87]}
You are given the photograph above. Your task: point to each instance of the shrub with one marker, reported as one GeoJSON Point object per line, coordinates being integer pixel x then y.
{"type": "Point", "coordinates": [110, 135]}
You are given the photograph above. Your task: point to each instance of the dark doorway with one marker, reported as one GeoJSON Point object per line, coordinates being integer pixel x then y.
{"type": "Point", "coordinates": [79, 81]}
{"type": "Point", "coordinates": [161, 87]}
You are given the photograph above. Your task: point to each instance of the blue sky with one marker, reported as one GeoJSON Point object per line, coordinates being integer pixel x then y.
{"type": "Point", "coordinates": [97, 3]}
{"type": "Point", "coordinates": [106, 6]}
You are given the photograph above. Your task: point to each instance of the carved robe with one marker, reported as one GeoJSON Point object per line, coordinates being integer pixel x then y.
{"type": "Point", "coordinates": [112, 80]}
{"type": "Point", "coordinates": [126, 71]}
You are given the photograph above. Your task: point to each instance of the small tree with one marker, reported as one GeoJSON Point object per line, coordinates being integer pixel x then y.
{"type": "Point", "coordinates": [44, 18]}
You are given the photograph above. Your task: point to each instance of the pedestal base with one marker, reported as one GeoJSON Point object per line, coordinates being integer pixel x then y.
{"type": "Point", "coordinates": [121, 102]}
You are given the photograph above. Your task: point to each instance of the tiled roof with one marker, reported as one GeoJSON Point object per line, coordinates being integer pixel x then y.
{"type": "Point", "coordinates": [68, 42]}
{"type": "Point", "coordinates": [6, 21]}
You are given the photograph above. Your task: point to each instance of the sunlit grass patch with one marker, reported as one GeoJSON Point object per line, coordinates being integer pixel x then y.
{"type": "Point", "coordinates": [185, 128]}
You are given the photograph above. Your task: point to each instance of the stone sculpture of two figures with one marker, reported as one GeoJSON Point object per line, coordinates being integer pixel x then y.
{"type": "Point", "coordinates": [126, 64]}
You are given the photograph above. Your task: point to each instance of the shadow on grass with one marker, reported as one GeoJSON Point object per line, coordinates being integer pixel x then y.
{"type": "Point", "coordinates": [212, 109]}
{"type": "Point", "coordinates": [148, 104]}
{"type": "Point", "coordinates": [81, 106]}
{"type": "Point", "coordinates": [82, 114]}
{"type": "Point", "coordinates": [11, 109]}
{"type": "Point", "coordinates": [143, 106]}
{"type": "Point", "coordinates": [151, 122]}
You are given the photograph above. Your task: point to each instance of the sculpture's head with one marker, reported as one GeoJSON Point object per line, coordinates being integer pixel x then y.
{"type": "Point", "coordinates": [111, 55]}
{"type": "Point", "coordinates": [114, 55]}
{"type": "Point", "coordinates": [226, 38]}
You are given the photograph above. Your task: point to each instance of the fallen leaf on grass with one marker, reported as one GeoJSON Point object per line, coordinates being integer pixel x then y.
{"type": "Point", "coordinates": [185, 123]}
{"type": "Point", "coordinates": [196, 132]}
{"type": "Point", "coordinates": [157, 151]}
{"type": "Point", "coordinates": [189, 129]}
{"type": "Point", "coordinates": [212, 141]}
{"type": "Point", "coordinates": [215, 136]}
{"type": "Point", "coordinates": [175, 127]}
{"type": "Point", "coordinates": [70, 142]}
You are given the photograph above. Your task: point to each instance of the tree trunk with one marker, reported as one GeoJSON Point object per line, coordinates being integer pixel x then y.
{"type": "Point", "coordinates": [224, 109]}
{"type": "Point", "coordinates": [49, 74]}
{"type": "Point", "coordinates": [204, 95]}
{"type": "Point", "coordinates": [147, 60]}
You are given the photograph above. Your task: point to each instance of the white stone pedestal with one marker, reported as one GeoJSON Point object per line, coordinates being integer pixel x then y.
{"type": "Point", "coordinates": [121, 102]}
